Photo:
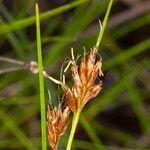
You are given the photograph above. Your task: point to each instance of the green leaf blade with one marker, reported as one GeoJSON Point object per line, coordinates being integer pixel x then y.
{"type": "Point", "coordinates": [41, 81]}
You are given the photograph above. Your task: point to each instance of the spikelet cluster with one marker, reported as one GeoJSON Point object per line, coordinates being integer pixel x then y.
{"type": "Point", "coordinates": [84, 76]}
{"type": "Point", "coordinates": [57, 122]}
{"type": "Point", "coordinates": [84, 88]}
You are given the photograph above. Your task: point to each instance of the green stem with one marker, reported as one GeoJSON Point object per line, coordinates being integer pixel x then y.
{"type": "Point", "coordinates": [73, 129]}
{"type": "Point", "coordinates": [41, 81]}
{"type": "Point", "coordinates": [102, 29]}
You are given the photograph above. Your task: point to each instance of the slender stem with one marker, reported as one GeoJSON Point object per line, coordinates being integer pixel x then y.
{"type": "Point", "coordinates": [41, 81]}
{"type": "Point", "coordinates": [102, 29]}
{"type": "Point", "coordinates": [73, 129]}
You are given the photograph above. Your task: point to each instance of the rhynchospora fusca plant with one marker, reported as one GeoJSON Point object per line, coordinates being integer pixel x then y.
{"type": "Point", "coordinates": [83, 76]}
{"type": "Point", "coordinates": [84, 88]}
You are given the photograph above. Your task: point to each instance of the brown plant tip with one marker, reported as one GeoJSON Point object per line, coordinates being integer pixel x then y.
{"type": "Point", "coordinates": [84, 77]}
{"type": "Point", "coordinates": [57, 122]}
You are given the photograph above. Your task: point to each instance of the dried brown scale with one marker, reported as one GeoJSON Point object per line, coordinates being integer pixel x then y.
{"type": "Point", "coordinates": [70, 99]}
{"type": "Point", "coordinates": [91, 93]}
{"type": "Point", "coordinates": [76, 79]}
{"type": "Point", "coordinates": [57, 122]}
{"type": "Point", "coordinates": [94, 73]}
{"type": "Point", "coordinates": [84, 88]}
{"type": "Point", "coordinates": [83, 71]}
{"type": "Point", "coordinates": [91, 62]}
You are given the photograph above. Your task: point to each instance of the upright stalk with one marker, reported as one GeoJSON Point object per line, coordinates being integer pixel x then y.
{"type": "Point", "coordinates": [73, 129]}
{"type": "Point", "coordinates": [104, 24]}
{"type": "Point", "coordinates": [41, 81]}
{"type": "Point", "coordinates": [77, 114]}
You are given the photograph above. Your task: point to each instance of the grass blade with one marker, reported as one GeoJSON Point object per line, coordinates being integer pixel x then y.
{"type": "Point", "coordinates": [104, 24]}
{"type": "Point", "coordinates": [41, 81]}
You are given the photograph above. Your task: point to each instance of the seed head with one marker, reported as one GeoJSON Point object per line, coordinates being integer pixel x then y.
{"type": "Point", "coordinates": [84, 77]}
{"type": "Point", "coordinates": [57, 122]}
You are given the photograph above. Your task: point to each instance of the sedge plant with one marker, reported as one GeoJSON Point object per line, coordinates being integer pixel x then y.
{"type": "Point", "coordinates": [83, 89]}
{"type": "Point", "coordinates": [88, 72]}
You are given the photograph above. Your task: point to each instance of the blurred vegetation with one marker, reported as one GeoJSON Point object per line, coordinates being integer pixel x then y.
{"type": "Point", "coordinates": [119, 118]}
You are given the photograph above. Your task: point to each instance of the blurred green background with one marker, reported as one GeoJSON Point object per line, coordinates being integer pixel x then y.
{"type": "Point", "coordinates": [119, 118]}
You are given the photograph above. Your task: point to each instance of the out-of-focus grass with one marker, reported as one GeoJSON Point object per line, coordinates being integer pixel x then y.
{"type": "Point", "coordinates": [64, 27]}
{"type": "Point", "coordinates": [135, 24]}
{"type": "Point", "coordinates": [16, 131]}
{"type": "Point", "coordinates": [136, 102]}
{"type": "Point", "coordinates": [31, 20]}
{"type": "Point", "coordinates": [91, 133]}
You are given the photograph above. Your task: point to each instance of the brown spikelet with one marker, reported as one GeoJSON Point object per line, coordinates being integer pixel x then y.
{"type": "Point", "coordinates": [94, 73]}
{"type": "Point", "coordinates": [91, 62]}
{"type": "Point", "coordinates": [76, 79]}
{"type": "Point", "coordinates": [70, 99]}
{"type": "Point", "coordinates": [91, 93]}
{"type": "Point", "coordinates": [57, 122]}
{"type": "Point", "coordinates": [83, 70]}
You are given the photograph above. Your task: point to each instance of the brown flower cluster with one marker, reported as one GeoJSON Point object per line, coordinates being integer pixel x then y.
{"type": "Point", "coordinates": [84, 89]}
{"type": "Point", "coordinates": [57, 122]}
{"type": "Point", "coordinates": [84, 77]}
